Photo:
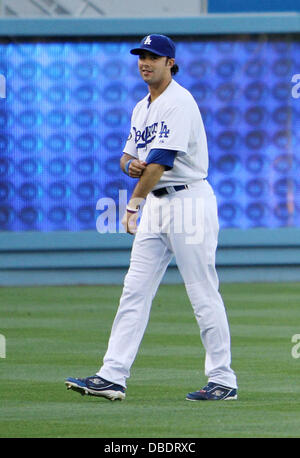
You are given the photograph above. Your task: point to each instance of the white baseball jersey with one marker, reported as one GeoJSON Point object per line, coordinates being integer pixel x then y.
{"type": "Point", "coordinates": [172, 121]}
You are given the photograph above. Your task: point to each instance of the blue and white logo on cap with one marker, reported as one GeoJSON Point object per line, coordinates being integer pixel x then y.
{"type": "Point", "coordinates": [157, 44]}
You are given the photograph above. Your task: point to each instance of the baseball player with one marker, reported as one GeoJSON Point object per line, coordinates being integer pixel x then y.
{"type": "Point", "coordinates": [167, 150]}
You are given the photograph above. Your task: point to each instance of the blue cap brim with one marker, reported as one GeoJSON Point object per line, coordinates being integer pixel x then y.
{"type": "Point", "coordinates": [138, 51]}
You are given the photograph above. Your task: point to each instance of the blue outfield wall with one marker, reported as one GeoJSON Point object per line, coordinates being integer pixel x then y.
{"type": "Point", "coordinates": [283, 22]}
{"type": "Point", "coordinates": [45, 258]}
{"type": "Point", "coordinates": [37, 258]}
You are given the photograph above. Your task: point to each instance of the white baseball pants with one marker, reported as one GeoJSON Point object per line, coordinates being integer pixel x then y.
{"type": "Point", "coordinates": [184, 224]}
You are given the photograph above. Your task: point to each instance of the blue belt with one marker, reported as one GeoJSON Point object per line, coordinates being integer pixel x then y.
{"type": "Point", "coordinates": [168, 190]}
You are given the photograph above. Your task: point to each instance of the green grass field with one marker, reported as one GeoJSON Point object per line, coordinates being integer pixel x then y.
{"type": "Point", "coordinates": [55, 332]}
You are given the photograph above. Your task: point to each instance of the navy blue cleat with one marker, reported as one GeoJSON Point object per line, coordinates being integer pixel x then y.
{"type": "Point", "coordinates": [213, 392]}
{"type": "Point", "coordinates": [96, 386]}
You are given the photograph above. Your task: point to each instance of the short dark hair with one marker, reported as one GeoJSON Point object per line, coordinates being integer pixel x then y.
{"type": "Point", "coordinates": [174, 69]}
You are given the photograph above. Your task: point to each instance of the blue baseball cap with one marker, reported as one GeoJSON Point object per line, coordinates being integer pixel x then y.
{"type": "Point", "coordinates": [157, 44]}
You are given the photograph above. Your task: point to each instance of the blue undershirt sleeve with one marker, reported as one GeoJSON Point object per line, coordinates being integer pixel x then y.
{"type": "Point", "coordinates": [164, 157]}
